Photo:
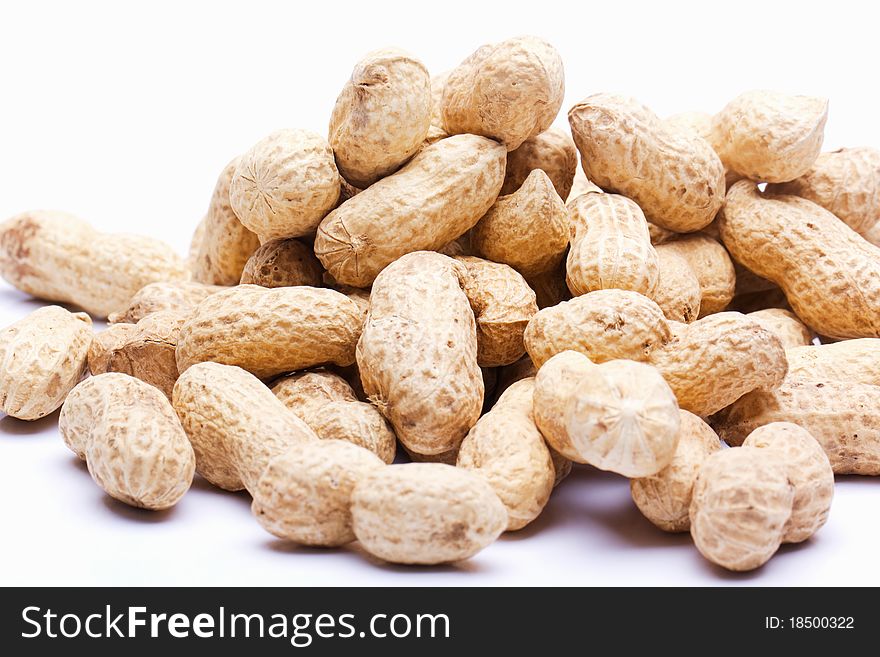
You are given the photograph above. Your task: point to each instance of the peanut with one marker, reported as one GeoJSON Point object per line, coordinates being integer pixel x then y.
{"type": "Point", "coordinates": [437, 132]}
{"type": "Point", "coordinates": [711, 265]}
{"type": "Point", "coordinates": [850, 361]}
{"type": "Point", "coordinates": [553, 152]}
{"type": "Point", "coordinates": [282, 263]}
{"type": "Point", "coordinates": [678, 289]}
{"type": "Point", "coordinates": [181, 298]}
{"type": "Point", "coordinates": [105, 343]}
{"type": "Point", "coordinates": [786, 326]}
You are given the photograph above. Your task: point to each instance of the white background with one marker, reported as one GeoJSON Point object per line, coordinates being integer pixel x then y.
{"type": "Point", "coordinates": [125, 116]}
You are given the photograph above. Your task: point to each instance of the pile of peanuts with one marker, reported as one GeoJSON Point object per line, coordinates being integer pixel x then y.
{"type": "Point", "coordinates": [439, 274]}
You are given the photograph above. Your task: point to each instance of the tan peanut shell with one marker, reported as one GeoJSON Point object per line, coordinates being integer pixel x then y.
{"type": "Point", "coordinates": [699, 123]}
{"type": "Point", "coordinates": [225, 245]}
{"type": "Point", "coordinates": [195, 243]}
{"type": "Point", "coordinates": [674, 176]}
{"type": "Point", "coordinates": [610, 246]}
{"type": "Point", "coordinates": [506, 448]}
{"type": "Point", "coordinates": [418, 365]}
{"type": "Point", "coordinates": [527, 229]}
{"type": "Point", "coordinates": [808, 470]}
{"type": "Point", "coordinates": [285, 184]}
{"type": "Point", "coordinates": [664, 497]}
{"type": "Point", "coordinates": [510, 374]}
{"type": "Point", "coordinates": [271, 331]}
{"type": "Point", "coordinates": [104, 343]}
{"type": "Point", "coordinates": [580, 185]}
{"type": "Point", "coordinates": [440, 194]}
{"type": "Point", "coordinates": [785, 325]}
{"type": "Point", "coordinates": [846, 182]}
{"type": "Point", "coordinates": [381, 117]}
{"type": "Point", "coordinates": [712, 266]}
{"type": "Point", "coordinates": [829, 274]}
{"type": "Point", "coordinates": [304, 495]}
{"type": "Point", "coordinates": [741, 505]}
{"type": "Point", "coordinates": [508, 91]}
{"type": "Point", "coordinates": [660, 235]}
{"type": "Point", "coordinates": [181, 298]}
{"type": "Point", "coordinates": [503, 303]}
{"type": "Point", "coordinates": [436, 131]}
{"type": "Point", "coordinates": [553, 152]}
{"type": "Point", "coordinates": [872, 234]}
{"type": "Point", "coordinates": [849, 361]}
{"type": "Point", "coordinates": [42, 357]}
{"type": "Point", "coordinates": [128, 435]}
{"type": "Point", "coordinates": [235, 424]}
{"type": "Point", "coordinates": [283, 263]}
{"type": "Point", "coordinates": [425, 513]}
{"type": "Point", "coordinates": [55, 256]}
{"type": "Point", "coordinates": [843, 417]}
{"type": "Point", "coordinates": [678, 289]}
{"type": "Point", "coordinates": [770, 136]}
{"type": "Point", "coordinates": [550, 287]}
{"type": "Point", "coordinates": [619, 416]}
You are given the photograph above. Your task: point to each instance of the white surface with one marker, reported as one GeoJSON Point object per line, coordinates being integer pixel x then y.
{"type": "Point", "coordinates": [125, 116]}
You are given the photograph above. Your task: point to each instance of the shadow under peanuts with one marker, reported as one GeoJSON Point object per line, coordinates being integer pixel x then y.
{"type": "Point", "coordinates": [136, 514]}
{"type": "Point", "coordinates": [468, 566]}
{"type": "Point", "coordinates": [745, 576]}
{"type": "Point", "coordinates": [10, 426]}
{"type": "Point", "coordinates": [203, 486]}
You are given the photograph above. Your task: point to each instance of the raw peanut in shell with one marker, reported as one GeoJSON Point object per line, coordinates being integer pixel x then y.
{"type": "Point", "coordinates": [664, 498]}
{"type": "Point", "coordinates": [674, 176]}
{"type": "Point", "coordinates": [850, 361]}
{"type": "Point", "coordinates": [225, 244]}
{"type": "Point", "coordinates": [829, 274]}
{"type": "Point", "coordinates": [808, 470]}
{"type": "Point", "coordinates": [381, 117]}
{"type": "Point", "coordinates": [195, 243]}
{"type": "Point", "coordinates": [419, 366]}
{"type": "Point", "coordinates": [131, 440]}
{"type": "Point", "coordinates": [105, 343]}
{"type": "Point", "coordinates": [678, 288]}
{"type": "Point", "coordinates": [508, 91]}
{"type": "Point", "coordinates": [503, 303]}
{"type": "Point", "coordinates": [619, 416]}
{"type": "Point", "coordinates": [235, 424]}
{"type": "Point", "coordinates": [846, 182]}
{"type": "Point", "coordinates": [610, 246]}
{"type": "Point", "coordinates": [285, 184]}
{"type": "Point", "coordinates": [553, 152]}
{"type": "Point", "coordinates": [181, 298]}
{"type": "Point", "coordinates": [304, 495]}
{"type": "Point", "coordinates": [510, 374]}
{"type": "Point", "coordinates": [872, 234]}
{"type": "Point", "coordinates": [42, 357]}
{"type": "Point", "coordinates": [283, 263]}
{"type": "Point", "coordinates": [527, 230]}
{"type": "Point", "coordinates": [55, 256]}
{"type": "Point", "coordinates": [844, 417]}
{"type": "Point", "coordinates": [425, 513]}
{"type": "Point", "coordinates": [699, 123]}
{"type": "Point", "coordinates": [660, 235]}
{"type": "Point", "coordinates": [506, 448]}
{"type": "Point", "coordinates": [580, 185]}
{"type": "Point", "coordinates": [440, 194]}
{"type": "Point", "coordinates": [770, 136]}
{"type": "Point", "coordinates": [786, 326]}
{"type": "Point", "coordinates": [741, 505]}
{"type": "Point", "coordinates": [437, 132]}
{"type": "Point", "coordinates": [711, 265]}
{"type": "Point", "coordinates": [271, 331]}
{"type": "Point", "coordinates": [550, 288]}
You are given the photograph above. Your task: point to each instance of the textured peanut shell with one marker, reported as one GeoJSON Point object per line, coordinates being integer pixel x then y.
{"type": "Point", "coordinates": [660, 235]}
{"type": "Point", "coordinates": [131, 440]}
{"type": "Point", "coordinates": [381, 117]}
{"type": "Point", "coordinates": [678, 289]}
{"type": "Point", "coordinates": [510, 374]}
{"type": "Point", "coordinates": [418, 365]}
{"type": "Point", "coordinates": [770, 136]}
{"type": "Point", "coordinates": [181, 298]}
{"type": "Point", "coordinates": [581, 185]}
{"type": "Point", "coordinates": [508, 91]}
{"type": "Point", "coordinates": [425, 513]}
{"type": "Point", "coordinates": [306, 392]}
{"type": "Point", "coordinates": [42, 357]}
{"type": "Point", "coordinates": [872, 234]}
{"type": "Point", "coordinates": [55, 256]}
{"type": "Point", "coordinates": [843, 417]}
{"type": "Point", "coordinates": [673, 175]}
{"type": "Point", "coordinates": [553, 152]}
{"type": "Point", "coordinates": [550, 287]}
{"type": "Point", "coordinates": [271, 331]}
{"type": "Point", "coordinates": [285, 184]}
{"type": "Point", "coordinates": [304, 495]}
{"type": "Point", "coordinates": [850, 361]}
{"type": "Point", "coordinates": [741, 505]}
{"type": "Point", "coordinates": [764, 300]}
{"type": "Point", "coordinates": [503, 303]}
{"type": "Point", "coordinates": [712, 266]}
{"type": "Point", "coordinates": [195, 243]}
{"type": "Point", "coordinates": [436, 131]}
{"type": "Point", "coordinates": [104, 343]}
{"type": "Point", "coordinates": [786, 326]}
{"type": "Point", "coordinates": [440, 194]}
{"type": "Point", "coordinates": [619, 416]}
{"type": "Point", "coordinates": [235, 424]}
{"type": "Point", "coordinates": [507, 449]}
{"type": "Point", "coordinates": [664, 498]}
{"type": "Point", "coordinates": [225, 244]}
{"type": "Point", "coordinates": [283, 263]}
{"type": "Point", "coordinates": [603, 325]}
{"type": "Point", "coordinates": [527, 229]}
{"type": "Point", "coordinates": [610, 246]}
{"type": "Point", "coordinates": [699, 123]}
{"type": "Point", "coordinates": [829, 274]}
{"type": "Point", "coordinates": [808, 470]}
